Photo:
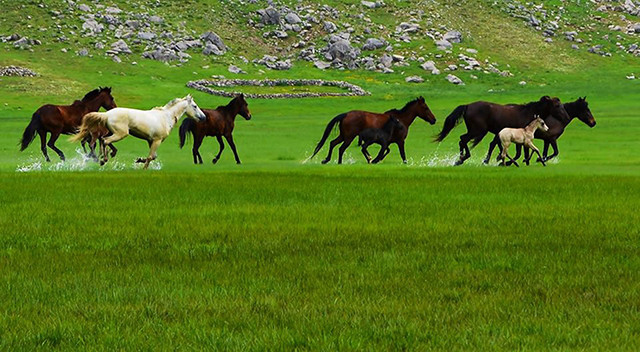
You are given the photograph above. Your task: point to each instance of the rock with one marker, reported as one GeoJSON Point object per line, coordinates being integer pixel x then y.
{"type": "Point", "coordinates": [281, 34]}
{"type": "Point", "coordinates": [406, 27]}
{"type": "Point", "coordinates": [443, 45]}
{"type": "Point", "coordinates": [133, 24]}
{"type": "Point", "coordinates": [156, 19]}
{"type": "Point", "coordinates": [373, 44]}
{"type": "Point", "coordinates": [472, 51]}
{"type": "Point", "coordinates": [386, 60]}
{"type": "Point", "coordinates": [330, 27]}
{"type": "Point", "coordinates": [371, 4]}
{"type": "Point", "coordinates": [455, 80]}
{"type": "Point", "coordinates": [636, 27]}
{"type": "Point", "coordinates": [116, 59]}
{"type": "Point", "coordinates": [523, 83]}
{"type": "Point", "coordinates": [273, 63]}
{"type": "Point", "coordinates": [83, 52]}
{"type": "Point", "coordinates": [575, 47]}
{"type": "Point", "coordinates": [161, 54]}
{"type": "Point", "coordinates": [212, 49]}
{"type": "Point", "coordinates": [147, 36]}
{"type": "Point", "coordinates": [342, 50]}
{"type": "Point", "coordinates": [112, 10]}
{"type": "Point", "coordinates": [269, 16]}
{"type": "Point", "coordinates": [321, 65]}
{"type": "Point", "coordinates": [213, 38]}
{"type": "Point", "coordinates": [631, 77]}
{"type": "Point", "coordinates": [16, 71]}
{"type": "Point", "coordinates": [84, 7]}
{"type": "Point", "coordinates": [235, 69]}
{"type": "Point", "coordinates": [414, 79]}
{"type": "Point", "coordinates": [92, 26]}
{"type": "Point", "coordinates": [453, 37]}
{"type": "Point", "coordinates": [292, 18]}
{"type": "Point", "coordinates": [431, 67]}
{"type": "Point", "coordinates": [120, 47]}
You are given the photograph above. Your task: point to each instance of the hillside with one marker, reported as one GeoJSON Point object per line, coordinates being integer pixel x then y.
{"type": "Point", "coordinates": [469, 39]}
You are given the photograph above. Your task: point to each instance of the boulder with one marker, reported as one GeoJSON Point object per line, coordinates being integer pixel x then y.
{"type": "Point", "coordinates": [443, 45]}
{"type": "Point", "coordinates": [269, 15]}
{"type": "Point", "coordinates": [373, 44]}
{"type": "Point", "coordinates": [213, 38]}
{"type": "Point", "coordinates": [292, 18]}
{"type": "Point", "coordinates": [414, 79]}
{"type": "Point", "coordinates": [455, 80]}
{"type": "Point", "coordinates": [453, 37]}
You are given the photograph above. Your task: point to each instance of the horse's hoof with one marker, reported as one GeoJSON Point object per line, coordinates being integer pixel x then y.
{"type": "Point", "coordinates": [102, 162]}
{"type": "Point", "coordinates": [214, 161]}
{"type": "Point", "coordinates": [485, 161]}
{"type": "Point", "coordinates": [458, 163]}
{"type": "Point", "coordinates": [324, 162]}
{"type": "Point", "coordinates": [238, 163]}
{"type": "Point", "coordinates": [140, 160]}
{"type": "Point", "coordinates": [516, 164]}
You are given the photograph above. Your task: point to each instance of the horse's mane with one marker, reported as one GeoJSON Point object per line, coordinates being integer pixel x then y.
{"type": "Point", "coordinates": [229, 106]}
{"type": "Point", "coordinates": [169, 104]}
{"type": "Point", "coordinates": [91, 95]}
{"type": "Point", "coordinates": [403, 110]}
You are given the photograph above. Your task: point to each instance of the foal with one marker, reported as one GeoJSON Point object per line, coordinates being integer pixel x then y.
{"type": "Point", "coordinates": [380, 136]}
{"type": "Point", "coordinates": [522, 136]}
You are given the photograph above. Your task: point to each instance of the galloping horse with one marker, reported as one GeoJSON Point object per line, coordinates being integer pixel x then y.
{"type": "Point", "coordinates": [578, 108]}
{"type": "Point", "coordinates": [484, 117]}
{"type": "Point", "coordinates": [153, 125]}
{"type": "Point", "coordinates": [219, 122]}
{"type": "Point", "coordinates": [61, 119]}
{"type": "Point", "coordinates": [520, 136]}
{"type": "Point", "coordinates": [352, 123]}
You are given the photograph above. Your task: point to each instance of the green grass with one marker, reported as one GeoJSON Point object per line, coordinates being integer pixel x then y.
{"type": "Point", "coordinates": [282, 254]}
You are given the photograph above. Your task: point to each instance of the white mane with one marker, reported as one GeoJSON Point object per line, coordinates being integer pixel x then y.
{"type": "Point", "coordinates": [169, 104]}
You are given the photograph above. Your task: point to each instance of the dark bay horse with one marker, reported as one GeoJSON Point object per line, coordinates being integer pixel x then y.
{"type": "Point", "coordinates": [352, 123]}
{"type": "Point", "coordinates": [63, 119]}
{"type": "Point", "coordinates": [578, 108]}
{"type": "Point", "coordinates": [219, 123]}
{"type": "Point", "coordinates": [483, 117]}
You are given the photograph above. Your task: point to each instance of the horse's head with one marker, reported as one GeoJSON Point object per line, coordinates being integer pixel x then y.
{"type": "Point", "coordinates": [582, 112]}
{"type": "Point", "coordinates": [107, 101]}
{"type": "Point", "coordinates": [243, 107]}
{"type": "Point", "coordinates": [540, 124]}
{"type": "Point", "coordinates": [193, 110]}
{"type": "Point", "coordinates": [424, 112]}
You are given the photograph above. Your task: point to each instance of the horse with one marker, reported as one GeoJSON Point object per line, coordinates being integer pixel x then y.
{"type": "Point", "coordinates": [63, 119]}
{"type": "Point", "coordinates": [578, 108]}
{"type": "Point", "coordinates": [153, 125]}
{"type": "Point", "coordinates": [219, 123]}
{"type": "Point", "coordinates": [352, 123]}
{"type": "Point", "coordinates": [521, 136]}
{"type": "Point", "coordinates": [380, 136]}
{"type": "Point", "coordinates": [97, 135]}
{"type": "Point", "coordinates": [483, 117]}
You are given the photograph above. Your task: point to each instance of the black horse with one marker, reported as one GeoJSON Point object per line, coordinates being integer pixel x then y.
{"type": "Point", "coordinates": [578, 108]}
{"type": "Point", "coordinates": [381, 136]}
{"type": "Point", "coordinates": [484, 117]}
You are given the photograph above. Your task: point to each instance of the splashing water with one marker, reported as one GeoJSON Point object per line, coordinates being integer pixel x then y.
{"type": "Point", "coordinates": [80, 162]}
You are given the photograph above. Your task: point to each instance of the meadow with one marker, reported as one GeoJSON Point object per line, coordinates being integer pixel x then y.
{"type": "Point", "coordinates": [282, 253]}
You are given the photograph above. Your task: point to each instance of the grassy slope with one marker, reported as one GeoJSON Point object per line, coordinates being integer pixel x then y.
{"type": "Point", "coordinates": [276, 254]}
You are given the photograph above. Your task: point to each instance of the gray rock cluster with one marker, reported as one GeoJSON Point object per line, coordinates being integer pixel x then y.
{"type": "Point", "coordinates": [274, 63]}
{"type": "Point", "coordinates": [20, 42]}
{"type": "Point", "coordinates": [16, 71]}
{"type": "Point", "coordinates": [205, 86]}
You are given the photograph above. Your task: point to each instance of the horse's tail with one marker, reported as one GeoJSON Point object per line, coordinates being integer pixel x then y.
{"type": "Point", "coordinates": [29, 133]}
{"type": "Point", "coordinates": [90, 122]}
{"type": "Point", "coordinates": [187, 126]}
{"type": "Point", "coordinates": [452, 121]}
{"type": "Point", "coordinates": [327, 132]}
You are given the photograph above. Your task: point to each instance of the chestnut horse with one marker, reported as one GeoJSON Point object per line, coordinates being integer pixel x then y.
{"type": "Point", "coordinates": [352, 123]}
{"type": "Point", "coordinates": [483, 117]}
{"type": "Point", "coordinates": [219, 122]}
{"type": "Point", "coordinates": [578, 108]}
{"type": "Point", "coordinates": [60, 119]}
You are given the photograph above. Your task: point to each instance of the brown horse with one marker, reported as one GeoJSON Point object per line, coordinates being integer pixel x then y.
{"type": "Point", "coordinates": [578, 108]}
{"type": "Point", "coordinates": [61, 119]}
{"type": "Point", "coordinates": [219, 123]}
{"type": "Point", "coordinates": [484, 117]}
{"type": "Point", "coordinates": [353, 123]}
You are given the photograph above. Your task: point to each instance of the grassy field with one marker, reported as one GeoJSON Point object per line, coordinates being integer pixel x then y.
{"type": "Point", "coordinates": [281, 253]}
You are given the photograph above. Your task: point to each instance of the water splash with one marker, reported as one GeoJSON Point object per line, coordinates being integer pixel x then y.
{"type": "Point", "coordinates": [81, 162]}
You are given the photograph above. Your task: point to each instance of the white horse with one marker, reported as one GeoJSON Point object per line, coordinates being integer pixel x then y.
{"type": "Point", "coordinates": [151, 125]}
{"type": "Point", "coordinates": [523, 136]}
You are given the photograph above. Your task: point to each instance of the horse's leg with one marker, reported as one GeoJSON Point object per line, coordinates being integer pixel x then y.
{"type": "Point", "coordinates": [114, 150]}
{"type": "Point", "coordinates": [52, 144]}
{"type": "Point", "coordinates": [152, 152]}
{"type": "Point", "coordinates": [383, 147]}
{"type": "Point", "coordinates": [332, 145]}
{"type": "Point", "coordinates": [118, 134]}
{"type": "Point", "coordinates": [365, 152]}
{"type": "Point", "coordinates": [220, 149]}
{"type": "Point", "coordinates": [535, 149]}
{"type": "Point", "coordinates": [554, 145]}
{"type": "Point", "coordinates": [229, 139]}
{"type": "Point", "coordinates": [494, 142]}
{"type": "Point", "coordinates": [465, 153]}
{"type": "Point", "coordinates": [527, 155]}
{"type": "Point", "coordinates": [195, 151]}
{"type": "Point", "coordinates": [343, 148]}
{"type": "Point", "coordinates": [518, 154]}
{"type": "Point", "coordinates": [503, 153]}
{"type": "Point", "coordinates": [43, 144]}
{"type": "Point", "coordinates": [545, 151]}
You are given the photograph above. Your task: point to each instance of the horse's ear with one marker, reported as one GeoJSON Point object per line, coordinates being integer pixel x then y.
{"type": "Point", "coordinates": [545, 98]}
{"type": "Point", "coordinates": [421, 98]}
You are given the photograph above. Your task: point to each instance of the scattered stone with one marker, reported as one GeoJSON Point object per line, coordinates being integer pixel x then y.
{"type": "Point", "coordinates": [414, 79]}
{"type": "Point", "coordinates": [322, 65]}
{"type": "Point", "coordinates": [292, 18]}
{"type": "Point", "coordinates": [455, 80]}
{"type": "Point", "coordinates": [373, 44]}
{"type": "Point", "coordinates": [453, 37]}
{"type": "Point", "coordinates": [16, 71]}
{"type": "Point", "coordinates": [269, 16]}
{"type": "Point", "coordinates": [443, 45]}
{"type": "Point", "coordinates": [431, 67]}
{"type": "Point", "coordinates": [235, 69]}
